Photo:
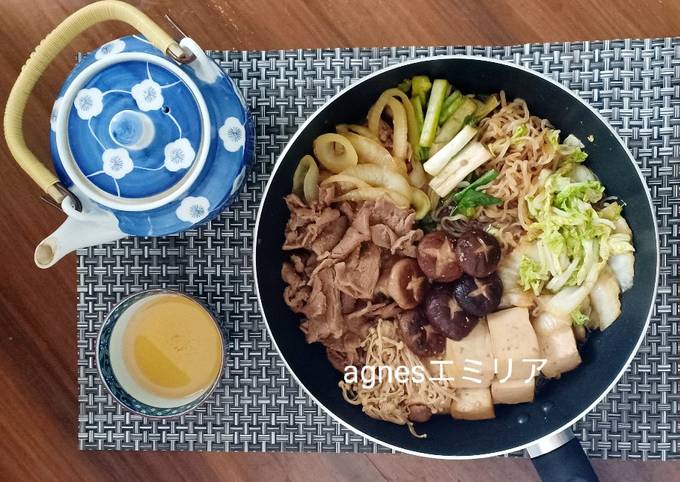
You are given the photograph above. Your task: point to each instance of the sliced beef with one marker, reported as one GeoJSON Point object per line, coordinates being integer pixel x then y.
{"type": "Point", "coordinates": [296, 294]}
{"type": "Point", "coordinates": [358, 274]}
{"type": "Point", "coordinates": [291, 276]}
{"type": "Point", "coordinates": [348, 303]}
{"type": "Point", "coordinates": [330, 236]}
{"type": "Point", "coordinates": [356, 234]}
{"type": "Point", "coordinates": [326, 194]}
{"type": "Point", "coordinates": [382, 236]}
{"type": "Point", "coordinates": [387, 312]}
{"type": "Point", "coordinates": [325, 318]}
{"type": "Point", "coordinates": [316, 303]}
{"type": "Point", "coordinates": [338, 359]}
{"type": "Point", "coordinates": [298, 262]}
{"type": "Point", "coordinates": [368, 313]}
{"type": "Point", "coordinates": [342, 257]}
{"type": "Point", "coordinates": [294, 202]}
{"type": "Point", "coordinates": [347, 210]}
{"type": "Point", "coordinates": [310, 264]}
{"type": "Point", "coordinates": [345, 351]}
{"type": "Point", "coordinates": [399, 220]}
{"type": "Point", "coordinates": [360, 320]}
{"type": "Point", "coordinates": [307, 223]}
{"type": "Point", "coordinates": [297, 299]}
{"type": "Point", "coordinates": [406, 245]}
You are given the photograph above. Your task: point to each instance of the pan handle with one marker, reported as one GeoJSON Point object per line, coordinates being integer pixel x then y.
{"type": "Point", "coordinates": [560, 458]}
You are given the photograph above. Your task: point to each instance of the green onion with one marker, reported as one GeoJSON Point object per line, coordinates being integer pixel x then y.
{"type": "Point", "coordinates": [471, 199]}
{"type": "Point", "coordinates": [418, 108]}
{"type": "Point", "coordinates": [467, 211]}
{"type": "Point", "coordinates": [482, 180]}
{"type": "Point", "coordinates": [456, 122]}
{"type": "Point", "coordinates": [486, 107]}
{"type": "Point", "coordinates": [459, 167]}
{"type": "Point", "coordinates": [420, 87]}
{"type": "Point", "coordinates": [405, 85]}
{"type": "Point", "coordinates": [450, 98]}
{"type": "Point", "coordinates": [422, 153]}
{"type": "Point", "coordinates": [434, 107]}
{"type": "Point", "coordinates": [442, 154]}
{"type": "Point", "coordinates": [451, 105]}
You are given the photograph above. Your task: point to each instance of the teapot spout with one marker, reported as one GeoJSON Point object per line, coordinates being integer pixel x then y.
{"type": "Point", "coordinates": [73, 234]}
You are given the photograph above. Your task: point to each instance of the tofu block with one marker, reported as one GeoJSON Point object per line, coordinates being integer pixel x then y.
{"type": "Point", "coordinates": [557, 343]}
{"type": "Point", "coordinates": [476, 347]}
{"type": "Point", "coordinates": [548, 322]}
{"type": "Point", "coordinates": [472, 404]}
{"type": "Point", "coordinates": [513, 391]}
{"type": "Point", "coordinates": [513, 338]}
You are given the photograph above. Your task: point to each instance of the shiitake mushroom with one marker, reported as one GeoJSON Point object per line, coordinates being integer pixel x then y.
{"type": "Point", "coordinates": [446, 315]}
{"type": "Point", "coordinates": [478, 253]}
{"type": "Point", "coordinates": [407, 284]}
{"type": "Point", "coordinates": [418, 335]}
{"type": "Point", "coordinates": [478, 296]}
{"type": "Point", "coordinates": [418, 412]}
{"type": "Point", "coordinates": [437, 257]}
{"type": "Point", "coordinates": [450, 309]}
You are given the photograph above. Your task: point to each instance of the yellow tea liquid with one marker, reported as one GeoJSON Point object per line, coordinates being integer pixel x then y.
{"type": "Point", "coordinates": [166, 350]}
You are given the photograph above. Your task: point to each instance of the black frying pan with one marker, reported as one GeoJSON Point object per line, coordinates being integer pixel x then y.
{"type": "Point", "coordinates": [543, 427]}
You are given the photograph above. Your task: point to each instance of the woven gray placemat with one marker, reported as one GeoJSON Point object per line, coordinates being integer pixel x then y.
{"type": "Point", "coordinates": [257, 407]}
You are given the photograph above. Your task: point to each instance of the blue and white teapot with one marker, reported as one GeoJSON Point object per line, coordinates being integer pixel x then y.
{"type": "Point", "coordinates": [148, 136]}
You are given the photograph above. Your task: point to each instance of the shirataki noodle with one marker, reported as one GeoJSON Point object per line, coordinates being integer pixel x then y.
{"type": "Point", "coordinates": [519, 161]}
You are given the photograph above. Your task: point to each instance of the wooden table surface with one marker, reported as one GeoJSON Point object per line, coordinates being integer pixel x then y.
{"type": "Point", "coordinates": [38, 408]}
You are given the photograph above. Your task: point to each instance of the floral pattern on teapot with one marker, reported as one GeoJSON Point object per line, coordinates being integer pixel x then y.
{"type": "Point", "coordinates": [144, 125]}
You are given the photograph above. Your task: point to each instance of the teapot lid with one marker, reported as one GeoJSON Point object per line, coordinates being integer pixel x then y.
{"type": "Point", "coordinates": [135, 130]}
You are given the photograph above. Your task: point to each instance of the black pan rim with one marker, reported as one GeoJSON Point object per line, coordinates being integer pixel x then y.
{"type": "Point", "coordinates": [544, 78]}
